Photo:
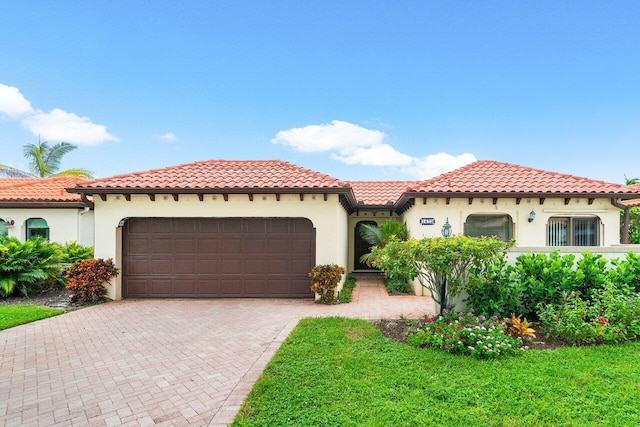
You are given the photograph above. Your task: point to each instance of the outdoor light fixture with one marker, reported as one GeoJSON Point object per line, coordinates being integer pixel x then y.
{"type": "Point", "coordinates": [9, 221]}
{"type": "Point", "coordinates": [532, 216]}
{"type": "Point", "coordinates": [446, 229]}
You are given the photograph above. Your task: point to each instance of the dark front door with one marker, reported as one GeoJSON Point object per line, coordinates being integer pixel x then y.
{"type": "Point", "coordinates": [362, 247]}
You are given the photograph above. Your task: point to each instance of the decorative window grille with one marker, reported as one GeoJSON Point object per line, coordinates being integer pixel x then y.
{"type": "Point", "coordinates": [500, 226]}
{"type": "Point", "coordinates": [573, 231]}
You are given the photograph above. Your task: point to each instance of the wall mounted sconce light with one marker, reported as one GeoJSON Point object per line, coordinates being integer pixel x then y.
{"type": "Point", "coordinates": [532, 216]}
{"type": "Point", "coordinates": [446, 229]}
{"type": "Point", "coordinates": [9, 222]}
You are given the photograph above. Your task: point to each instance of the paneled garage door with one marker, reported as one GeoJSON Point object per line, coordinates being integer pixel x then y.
{"type": "Point", "coordinates": [217, 257]}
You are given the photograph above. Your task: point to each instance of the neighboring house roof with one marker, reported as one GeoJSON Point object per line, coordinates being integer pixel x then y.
{"type": "Point", "coordinates": [380, 193]}
{"type": "Point", "coordinates": [222, 177]}
{"type": "Point", "coordinates": [633, 202]}
{"type": "Point", "coordinates": [488, 177]}
{"type": "Point", "coordinates": [40, 192]}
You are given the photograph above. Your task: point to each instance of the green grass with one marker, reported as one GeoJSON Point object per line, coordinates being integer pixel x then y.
{"type": "Point", "coordinates": [342, 372]}
{"type": "Point", "coordinates": [347, 289]}
{"type": "Point", "coordinates": [14, 315]}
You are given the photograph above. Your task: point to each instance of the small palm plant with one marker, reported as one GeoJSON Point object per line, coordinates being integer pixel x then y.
{"type": "Point", "coordinates": [380, 235]}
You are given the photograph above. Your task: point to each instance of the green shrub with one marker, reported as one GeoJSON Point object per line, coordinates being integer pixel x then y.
{"type": "Point", "coordinates": [396, 286]}
{"type": "Point", "coordinates": [347, 289]}
{"type": "Point", "coordinates": [324, 281]}
{"type": "Point", "coordinates": [86, 278]}
{"type": "Point", "coordinates": [613, 316]}
{"type": "Point", "coordinates": [467, 334]}
{"type": "Point", "coordinates": [28, 266]}
{"type": "Point", "coordinates": [626, 272]}
{"type": "Point", "coordinates": [72, 252]}
{"type": "Point", "coordinates": [495, 289]}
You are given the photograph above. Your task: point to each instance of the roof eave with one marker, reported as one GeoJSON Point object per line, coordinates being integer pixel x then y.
{"type": "Point", "coordinates": [43, 204]}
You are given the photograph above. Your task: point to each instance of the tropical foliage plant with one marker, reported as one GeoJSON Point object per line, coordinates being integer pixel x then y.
{"type": "Point", "coordinates": [28, 266]}
{"type": "Point", "coordinates": [324, 281]}
{"type": "Point", "coordinates": [85, 279]}
{"type": "Point", "coordinates": [36, 264]}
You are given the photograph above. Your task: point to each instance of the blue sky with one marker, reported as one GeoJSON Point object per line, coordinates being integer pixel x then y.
{"type": "Point", "coordinates": [358, 90]}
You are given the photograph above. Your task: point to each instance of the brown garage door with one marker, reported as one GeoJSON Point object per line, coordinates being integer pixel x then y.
{"type": "Point", "coordinates": [217, 257]}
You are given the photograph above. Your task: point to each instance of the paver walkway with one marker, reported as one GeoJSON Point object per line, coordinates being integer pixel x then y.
{"type": "Point", "coordinates": [159, 362]}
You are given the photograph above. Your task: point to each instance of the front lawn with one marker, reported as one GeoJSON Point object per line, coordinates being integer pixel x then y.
{"type": "Point", "coordinates": [14, 315]}
{"type": "Point", "coordinates": [342, 372]}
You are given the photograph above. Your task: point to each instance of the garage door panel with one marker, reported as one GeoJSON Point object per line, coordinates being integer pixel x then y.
{"type": "Point", "coordinates": [162, 287]}
{"type": "Point", "coordinates": [161, 266]}
{"type": "Point", "coordinates": [207, 266]}
{"type": "Point", "coordinates": [162, 246]}
{"type": "Point", "coordinates": [300, 266]}
{"type": "Point", "coordinates": [230, 246]}
{"type": "Point", "coordinates": [231, 225]}
{"type": "Point", "coordinates": [161, 225]}
{"type": "Point", "coordinates": [184, 266]}
{"type": "Point", "coordinates": [185, 245]}
{"type": "Point", "coordinates": [217, 257]}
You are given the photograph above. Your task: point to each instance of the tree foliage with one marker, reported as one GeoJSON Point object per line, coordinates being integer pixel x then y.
{"type": "Point", "coordinates": [45, 159]}
{"type": "Point", "coordinates": [441, 264]}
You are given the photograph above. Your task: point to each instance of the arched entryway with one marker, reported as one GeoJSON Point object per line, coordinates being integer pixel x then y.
{"type": "Point", "coordinates": [361, 246]}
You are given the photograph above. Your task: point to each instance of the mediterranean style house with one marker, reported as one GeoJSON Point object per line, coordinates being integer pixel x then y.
{"type": "Point", "coordinates": [225, 228]}
{"type": "Point", "coordinates": [31, 207]}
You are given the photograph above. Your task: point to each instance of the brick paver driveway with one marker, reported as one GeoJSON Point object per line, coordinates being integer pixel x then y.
{"type": "Point", "coordinates": [157, 362]}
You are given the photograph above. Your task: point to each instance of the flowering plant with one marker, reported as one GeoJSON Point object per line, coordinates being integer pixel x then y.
{"type": "Point", "coordinates": [467, 334]}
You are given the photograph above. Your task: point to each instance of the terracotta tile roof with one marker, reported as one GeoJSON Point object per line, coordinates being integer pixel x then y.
{"type": "Point", "coordinates": [219, 174]}
{"type": "Point", "coordinates": [488, 176]}
{"type": "Point", "coordinates": [39, 189]}
{"type": "Point", "coordinates": [633, 202]}
{"type": "Point", "coordinates": [380, 193]}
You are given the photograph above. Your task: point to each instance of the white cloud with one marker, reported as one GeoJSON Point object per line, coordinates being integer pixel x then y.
{"type": "Point", "coordinates": [12, 102]}
{"type": "Point", "coordinates": [59, 125]}
{"type": "Point", "coordinates": [56, 125]}
{"type": "Point", "coordinates": [167, 136]}
{"type": "Point", "coordinates": [435, 164]}
{"type": "Point", "coordinates": [355, 145]}
{"type": "Point", "coordinates": [377, 155]}
{"type": "Point", "coordinates": [337, 135]}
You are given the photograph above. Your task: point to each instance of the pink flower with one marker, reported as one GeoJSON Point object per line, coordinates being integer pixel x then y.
{"type": "Point", "coordinates": [444, 310]}
{"type": "Point", "coordinates": [429, 320]}
{"type": "Point", "coordinates": [458, 327]}
{"type": "Point", "coordinates": [447, 345]}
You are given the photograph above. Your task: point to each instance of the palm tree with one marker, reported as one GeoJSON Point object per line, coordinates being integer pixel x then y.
{"type": "Point", "coordinates": [379, 236]}
{"type": "Point", "coordinates": [10, 172]}
{"type": "Point", "coordinates": [631, 181]}
{"type": "Point", "coordinates": [44, 160]}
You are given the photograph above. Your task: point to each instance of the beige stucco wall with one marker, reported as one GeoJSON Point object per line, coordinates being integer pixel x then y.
{"type": "Point", "coordinates": [65, 225]}
{"type": "Point", "coordinates": [328, 217]}
{"type": "Point", "coordinates": [530, 234]}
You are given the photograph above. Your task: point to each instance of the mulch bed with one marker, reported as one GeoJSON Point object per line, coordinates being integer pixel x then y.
{"type": "Point", "coordinates": [398, 330]}
{"type": "Point", "coordinates": [56, 298]}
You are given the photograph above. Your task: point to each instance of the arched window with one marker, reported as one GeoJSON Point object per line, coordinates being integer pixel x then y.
{"type": "Point", "coordinates": [573, 231]}
{"type": "Point", "coordinates": [4, 231]}
{"type": "Point", "coordinates": [37, 227]}
{"type": "Point", "coordinates": [497, 225]}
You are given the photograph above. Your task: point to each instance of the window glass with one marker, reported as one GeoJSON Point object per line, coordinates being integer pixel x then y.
{"type": "Point", "coordinates": [489, 225]}
{"type": "Point", "coordinates": [37, 227]}
{"type": "Point", "coordinates": [4, 231]}
{"type": "Point", "coordinates": [573, 231]}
